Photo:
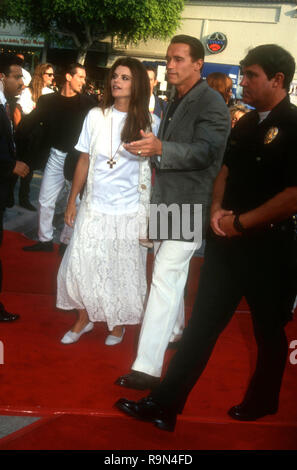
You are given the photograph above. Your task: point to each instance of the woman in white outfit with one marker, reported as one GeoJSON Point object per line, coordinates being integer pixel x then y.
{"type": "Point", "coordinates": [40, 85]}
{"type": "Point", "coordinates": [103, 272]}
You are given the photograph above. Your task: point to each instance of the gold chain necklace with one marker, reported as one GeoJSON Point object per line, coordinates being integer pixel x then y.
{"type": "Point", "coordinates": [112, 160]}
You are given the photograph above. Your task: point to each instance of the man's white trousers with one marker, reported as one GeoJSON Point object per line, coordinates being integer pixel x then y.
{"type": "Point", "coordinates": [53, 182]}
{"type": "Point", "coordinates": [164, 315]}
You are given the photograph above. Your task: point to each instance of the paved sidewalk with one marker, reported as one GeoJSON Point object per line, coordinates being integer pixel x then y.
{"type": "Point", "coordinates": [18, 219]}
{"type": "Point", "coordinates": [10, 424]}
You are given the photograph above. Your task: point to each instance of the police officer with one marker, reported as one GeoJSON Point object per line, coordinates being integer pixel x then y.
{"type": "Point", "coordinates": [251, 250]}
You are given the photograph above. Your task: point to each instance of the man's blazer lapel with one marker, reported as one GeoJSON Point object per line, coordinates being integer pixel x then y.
{"type": "Point", "coordinates": [163, 120]}
{"type": "Point", "coordinates": [182, 110]}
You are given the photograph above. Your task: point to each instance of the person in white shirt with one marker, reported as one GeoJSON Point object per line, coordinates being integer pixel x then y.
{"type": "Point", "coordinates": [40, 85]}
{"type": "Point", "coordinates": [103, 272]}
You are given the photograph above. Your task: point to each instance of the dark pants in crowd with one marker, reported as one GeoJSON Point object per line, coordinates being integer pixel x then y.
{"type": "Point", "coordinates": [24, 189]}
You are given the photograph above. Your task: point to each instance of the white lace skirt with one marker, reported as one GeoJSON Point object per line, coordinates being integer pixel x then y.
{"type": "Point", "coordinates": [104, 269]}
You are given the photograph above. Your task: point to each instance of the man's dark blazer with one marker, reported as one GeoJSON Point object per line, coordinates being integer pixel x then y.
{"type": "Point", "coordinates": [193, 145]}
{"type": "Point", "coordinates": [7, 161]}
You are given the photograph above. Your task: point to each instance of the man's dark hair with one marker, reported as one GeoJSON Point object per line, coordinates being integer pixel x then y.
{"type": "Point", "coordinates": [196, 46]}
{"type": "Point", "coordinates": [272, 59]}
{"type": "Point", "coordinates": [72, 68]}
{"type": "Point", "coordinates": [8, 60]}
{"type": "Point", "coordinates": [152, 69]}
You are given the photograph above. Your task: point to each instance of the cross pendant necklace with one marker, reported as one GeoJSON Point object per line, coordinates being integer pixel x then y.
{"type": "Point", "coordinates": [111, 160]}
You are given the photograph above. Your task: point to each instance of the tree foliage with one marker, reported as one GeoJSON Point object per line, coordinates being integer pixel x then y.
{"type": "Point", "coordinates": [88, 21]}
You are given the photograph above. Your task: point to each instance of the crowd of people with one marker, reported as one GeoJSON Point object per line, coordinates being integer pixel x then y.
{"type": "Point", "coordinates": [106, 148]}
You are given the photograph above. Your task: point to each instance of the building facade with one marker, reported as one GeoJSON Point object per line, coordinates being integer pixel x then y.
{"type": "Point", "coordinates": [228, 29]}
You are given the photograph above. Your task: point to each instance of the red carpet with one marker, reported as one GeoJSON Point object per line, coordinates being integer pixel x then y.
{"type": "Point", "coordinates": [72, 386]}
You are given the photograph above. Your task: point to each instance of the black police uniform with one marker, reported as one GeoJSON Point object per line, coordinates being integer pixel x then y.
{"type": "Point", "coordinates": [261, 265]}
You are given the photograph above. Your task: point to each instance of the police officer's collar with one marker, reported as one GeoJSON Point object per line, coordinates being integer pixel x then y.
{"type": "Point", "coordinates": [281, 107]}
{"type": "Point", "coordinates": [263, 115]}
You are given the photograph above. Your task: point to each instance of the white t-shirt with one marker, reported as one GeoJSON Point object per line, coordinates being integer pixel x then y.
{"type": "Point", "coordinates": [115, 190]}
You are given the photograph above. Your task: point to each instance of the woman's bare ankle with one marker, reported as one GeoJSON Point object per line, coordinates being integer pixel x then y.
{"type": "Point", "coordinates": [80, 323]}
{"type": "Point", "coordinates": [117, 331]}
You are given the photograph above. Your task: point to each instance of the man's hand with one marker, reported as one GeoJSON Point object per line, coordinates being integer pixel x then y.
{"type": "Point", "coordinates": [215, 221]}
{"type": "Point", "coordinates": [21, 169]}
{"type": "Point", "coordinates": [70, 214]}
{"type": "Point", "coordinates": [148, 146]}
{"type": "Point", "coordinates": [227, 227]}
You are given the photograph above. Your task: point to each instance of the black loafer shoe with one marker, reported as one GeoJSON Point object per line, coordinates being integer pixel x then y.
{"type": "Point", "coordinates": [250, 411]}
{"type": "Point", "coordinates": [40, 246]}
{"type": "Point", "coordinates": [148, 410]}
{"type": "Point", "coordinates": [138, 381]}
{"type": "Point", "coordinates": [7, 317]}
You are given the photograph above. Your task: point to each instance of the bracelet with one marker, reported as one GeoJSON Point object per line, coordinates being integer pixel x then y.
{"type": "Point", "coordinates": [237, 225]}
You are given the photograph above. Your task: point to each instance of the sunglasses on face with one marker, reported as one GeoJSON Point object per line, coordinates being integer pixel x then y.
{"type": "Point", "coordinates": [49, 74]}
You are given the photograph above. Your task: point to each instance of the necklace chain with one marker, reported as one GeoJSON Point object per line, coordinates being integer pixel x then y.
{"type": "Point", "coordinates": [112, 160]}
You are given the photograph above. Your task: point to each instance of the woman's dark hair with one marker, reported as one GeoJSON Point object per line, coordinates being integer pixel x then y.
{"type": "Point", "coordinates": [138, 116]}
{"type": "Point", "coordinates": [272, 59]}
{"type": "Point", "coordinates": [196, 46]}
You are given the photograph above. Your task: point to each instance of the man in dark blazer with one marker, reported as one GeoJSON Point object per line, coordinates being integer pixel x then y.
{"type": "Point", "coordinates": [10, 168]}
{"type": "Point", "coordinates": [187, 155]}
{"type": "Point", "coordinates": [251, 250]}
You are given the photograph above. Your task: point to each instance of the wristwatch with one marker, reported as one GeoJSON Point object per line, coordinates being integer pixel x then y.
{"type": "Point", "coordinates": [237, 225]}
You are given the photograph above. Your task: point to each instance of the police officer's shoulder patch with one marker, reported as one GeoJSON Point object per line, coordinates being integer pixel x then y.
{"type": "Point", "coordinates": [270, 135]}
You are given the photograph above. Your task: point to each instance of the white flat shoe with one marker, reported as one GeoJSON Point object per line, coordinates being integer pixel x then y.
{"type": "Point", "coordinates": [71, 337]}
{"type": "Point", "coordinates": [111, 340]}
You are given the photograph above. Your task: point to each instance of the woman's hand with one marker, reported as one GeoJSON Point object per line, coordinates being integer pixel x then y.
{"type": "Point", "coordinates": [70, 214]}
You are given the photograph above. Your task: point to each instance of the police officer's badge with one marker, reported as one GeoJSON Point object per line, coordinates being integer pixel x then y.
{"type": "Point", "coordinates": [270, 135]}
